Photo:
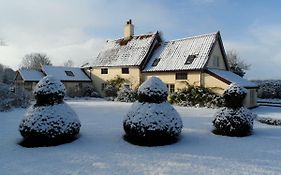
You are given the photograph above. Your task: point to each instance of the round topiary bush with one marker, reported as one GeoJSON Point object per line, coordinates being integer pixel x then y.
{"type": "Point", "coordinates": [153, 90]}
{"type": "Point", "coordinates": [234, 119]}
{"type": "Point", "coordinates": [233, 122]}
{"type": "Point", "coordinates": [49, 121]}
{"type": "Point", "coordinates": [234, 96]}
{"type": "Point", "coordinates": [151, 120]}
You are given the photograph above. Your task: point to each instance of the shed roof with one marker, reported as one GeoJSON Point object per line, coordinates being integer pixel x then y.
{"type": "Point", "coordinates": [230, 77]}
{"type": "Point", "coordinates": [66, 73]}
{"type": "Point", "coordinates": [173, 54]}
{"type": "Point", "coordinates": [31, 75]}
{"type": "Point", "coordinates": [122, 52]}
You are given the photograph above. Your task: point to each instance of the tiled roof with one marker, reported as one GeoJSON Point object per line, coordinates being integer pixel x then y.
{"type": "Point", "coordinates": [125, 53]}
{"type": "Point", "coordinates": [173, 54]}
{"type": "Point", "coordinates": [230, 77]}
{"type": "Point", "coordinates": [30, 75]}
{"type": "Point", "coordinates": [66, 73]}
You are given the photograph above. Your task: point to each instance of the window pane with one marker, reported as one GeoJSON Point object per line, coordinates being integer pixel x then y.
{"type": "Point", "coordinates": [125, 70]}
{"type": "Point", "coordinates": [104, 71]}
{"type": "Point", "coordinates": [181, 76]}
{"type": "Point", "coordinates": [69, 73]}
{"type": "Point", "coordinates": [190, 59]}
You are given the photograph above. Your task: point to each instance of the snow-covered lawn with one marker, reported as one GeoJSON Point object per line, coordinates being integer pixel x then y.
{"type": "Point", "coordinates": [101, 149]}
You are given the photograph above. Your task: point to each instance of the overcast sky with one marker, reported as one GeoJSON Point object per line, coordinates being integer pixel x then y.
{"type": "Point", "coordinates": [77, 30]}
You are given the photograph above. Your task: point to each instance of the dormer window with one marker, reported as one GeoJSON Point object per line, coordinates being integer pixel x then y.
{"type": "Point", "coordinates": [190, 59]}
{"type": "Point", "coordinates": [69, 73]}
{"type": "Point", "coordinates": [155, 62]}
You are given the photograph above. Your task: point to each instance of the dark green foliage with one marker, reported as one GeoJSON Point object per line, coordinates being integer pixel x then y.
{"type": "Point", "coordinates": [153, 98]}
{"type": "Point", "coordinates": [126, 95]}
{"type": "Point", "coordinates": [49, 121]}
{"type": "Point", "coordinates": [110, 91]}
{"type": "Point", "coordinates": [152, 121]}
{"type": "Point", "coordinates": [48, 99]}
{"type": "Point", "coordinates": [269, 121]}
{"type": "Point", "coordinates": [113, 86]}
{"type": "Point", "coordinates": [234, 119]}
{"type": "Point", "coordinates": [42, 141]}
{"type": "Point", "coordinates": [9, 99]}
{"type": "Point", "coordinates": [233, 122]}
{"type": "Point", "coordinates": [117, 82]}
{"type": "Point", "coordinates": [151, 138]}
{"type": "Point", "coordinates": [196, 96]}
{"type": "Point", "coordinates": [234, 97]}
{"type": "Point", "coordinates": [269, 88]}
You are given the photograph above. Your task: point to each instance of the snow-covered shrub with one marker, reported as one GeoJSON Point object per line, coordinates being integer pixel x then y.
{"type": "Point", "coordinates": [269, 121]}
{"type": "Point", "coordinates": [152, 120]}
{"type": "Point", "coordinates": [233, 122]}
{"type": "Point", "coordinates": [126, 95]}
{"type": "Point", "coordinates": [234, 96]}
{"type": "Point", "coordinates": [89, 92]}
{"type": "Point", "coordinates": [49, 121]}
{"type": "Point", "coordinates": [196, 96]}
{"type": "Point", "coordinates": [269, 88]}
{"type": "Point", "coordinates": [85, 91]}
{"type": "Point", "coordinates": [110, 91]}
{"type": "Point", "coordinates": [113, 86]}
{"type": "Point", "coordinates": [9, 100]}
{"type": "Point", "coordinates": [234, 119]}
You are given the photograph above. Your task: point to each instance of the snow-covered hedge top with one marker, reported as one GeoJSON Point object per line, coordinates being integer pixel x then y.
{"type": "Point", "coordinates": [235, 89]}
{"type": "Point", "coordinates": [153, 86]}
{"type": "Point", "coordinates": [49, 85]}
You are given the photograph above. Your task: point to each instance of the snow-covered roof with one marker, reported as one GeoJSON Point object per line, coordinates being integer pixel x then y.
{"type": "Point", "coordinates": [172, 55]}
{"type": "Point", "coordinates": [122, 52]}
{"type": "Point", "coordinates": [230, 77]}
{"type": "Point", "coordinates": [30, 75]}
{"type": "Point", "coordinates": [66, 73]}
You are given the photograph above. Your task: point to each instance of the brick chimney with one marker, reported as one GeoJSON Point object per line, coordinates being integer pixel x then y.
{"type": "Point", "coordinates": [128, 30]}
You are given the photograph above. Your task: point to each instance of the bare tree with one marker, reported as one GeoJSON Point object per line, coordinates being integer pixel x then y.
{"type": "Point", "coordinates": [7, 75]}
{"type": "Point", "coordinates": [35, 60]}
{"type": "Point", "coordinates": [68, 63]}
{"type": "Point", "coordinates": [236, 65]}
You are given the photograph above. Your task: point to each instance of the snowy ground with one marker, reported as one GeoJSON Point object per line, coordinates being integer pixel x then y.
{"type": "Point", "coordinates": [101, 149]}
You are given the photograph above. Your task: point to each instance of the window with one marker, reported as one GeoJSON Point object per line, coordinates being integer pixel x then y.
{"type": "Point", "coordinates": [104, 71]}
{"type": "Point", "coordinates": [155, 62]}
{"type": "Point", "coordinates": [125, 70]}
{"type": "Point", "coordinates": [103, 86]}
{"type": "Point", "coordinates": [190, 59]}
{"type": "Point", "coordinates": [181, 76]}
{"type": "Point", "coordinates": [69, 73]}
{"type": "Point", "coordinates": [171, 88]}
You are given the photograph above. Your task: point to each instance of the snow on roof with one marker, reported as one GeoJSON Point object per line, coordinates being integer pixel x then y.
{"type": "Point", "coordinates": [172, 55]}
{"type": "Point", "coordinates": [122, 52]}
{"type": "Point", "coordinates": [66, 73]}
{"type": "Point", "coordinates": [30, 75]}
{"type": "Point", "coordinates": [231, 77]}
